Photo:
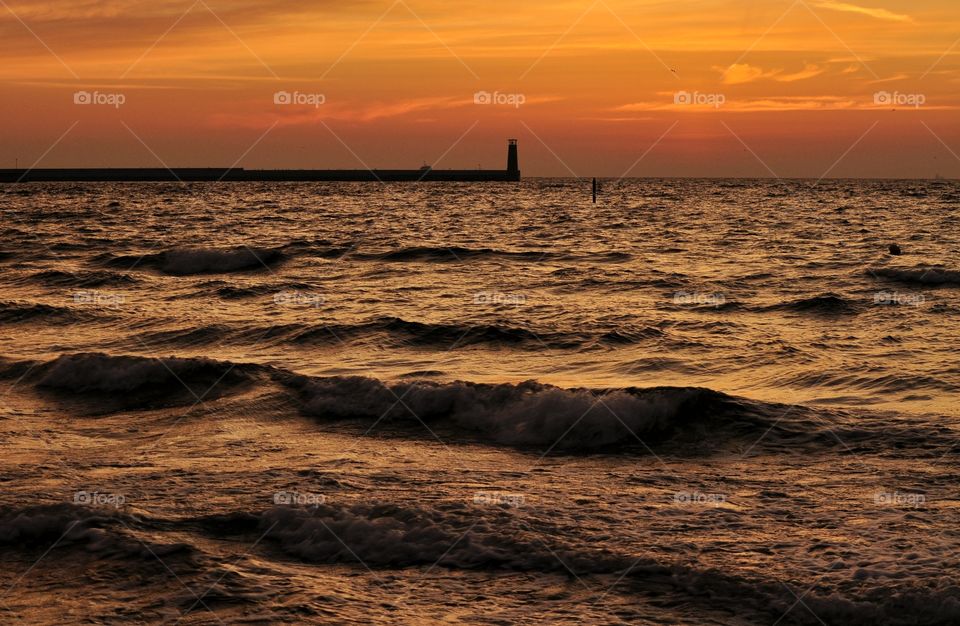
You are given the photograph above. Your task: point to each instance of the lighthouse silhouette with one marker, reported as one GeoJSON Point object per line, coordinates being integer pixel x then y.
{"type": "Point", "coordinates": [513, 160]}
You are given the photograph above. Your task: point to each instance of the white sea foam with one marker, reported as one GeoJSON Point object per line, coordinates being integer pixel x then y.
{"type": "Point", "coordinates": [528, 414]}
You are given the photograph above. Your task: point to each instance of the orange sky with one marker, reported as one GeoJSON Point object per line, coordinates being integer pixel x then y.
{"type": "Point", "coordinates": [593, 88]}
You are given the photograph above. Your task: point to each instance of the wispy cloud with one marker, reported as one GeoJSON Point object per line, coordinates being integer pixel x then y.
{"type": "Point", "coordinates": [891, 79]}
{"type": "Point", "coordinates": [345, 111]}
{"type": "Point", "coordinates": [742, 73]}
{"type": "Point", "coordinates": [809, 71]}
{"type": "Point", "coordinates": [770, 104]}
{"type": "Point", "coordinates": [420, 110]}
{"type": "Point", "coordinates": [880, 14]}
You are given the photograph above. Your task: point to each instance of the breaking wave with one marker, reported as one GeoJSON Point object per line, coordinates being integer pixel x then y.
{"type": "Point", "coordinates": [451, 535]}
{"type": "Point", "coordinates": [448, 535]}
{"type": "Point", "coordinates": [96, 531]}
{"type": "Point", "coordinates": [460, 537]}
{"type": "Point", "coordinates": [528, 415]}
{"type": "Point", "coordinates": [532, 414]}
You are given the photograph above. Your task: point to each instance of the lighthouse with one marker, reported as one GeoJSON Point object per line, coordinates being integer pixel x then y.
{"type": "Point", "coordinates": [513, 160]}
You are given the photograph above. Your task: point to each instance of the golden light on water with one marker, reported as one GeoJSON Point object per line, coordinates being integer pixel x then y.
{"type": "Point", "coordinates": [697, 365]}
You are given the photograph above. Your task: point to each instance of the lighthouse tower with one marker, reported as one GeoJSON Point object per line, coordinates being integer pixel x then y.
{"type": "Point", "coordinates": [513, 160]}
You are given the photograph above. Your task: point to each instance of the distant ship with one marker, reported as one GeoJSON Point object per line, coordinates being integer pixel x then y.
{"type": "Point", "coordinates": [239, 174]}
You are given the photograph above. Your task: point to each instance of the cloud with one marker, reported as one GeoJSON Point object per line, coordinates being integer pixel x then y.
{"type": "Point", "coordinates": [809, 71]}
{"type": "Point", "coordinates": [415, 109]}
{"type": "Point", "coordinates": [742, 73]}
{"type": "Point", "coordinates": [403, 107]}
{"type": "Point", "coordinates": [880, 14]}
{"type": "Point", "coordinates": [771, 104]}
{"type": "Point", "coordinates": [620, 119]}
{"type": "Point", "coordinates": [891, 79]}
{"type": "Point", "coordinates": [795, 103]}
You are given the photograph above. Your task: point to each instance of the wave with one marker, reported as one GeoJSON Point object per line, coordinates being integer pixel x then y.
{"type": "Point", "coordinates": [435, 334]}
{"type": "Point", "coordinates": [232, 292]}
{"type": "Point", "coordinates": [631, 336]}
{"type": "Point", "coordinates": [493, 538]}
{"type": "Point", "coordinates": [20, 312]}
{"type": "Point", "coordinates": [192, 261]}
{"type": "Point", "coordinates": [918, 275]}
{"type": "Point", "coordinates": [183, 337]}
{"type": "Point", "coordinates": [58, 278]}
{"type": "Point", "coordinates": [439, 254]}
{"type": "Point", "coordinates": [886, 383]}
{"type": "Point", "coordinates": [528, 415]}
{"type": "Point", "coordinates": [459, 253]}
{"type": "Point", "coordinates": [106, 383]}
{"type": "Point", "coordinates": [98, 531]}
{"type": "Point", "coordinates": [660, 364]}
{"type": "Point", "coordinates": [379, 534]}
{"type": "Point", "coordinates": [525, 415]}
{"type": "Point", "coordinates": [659, 280]}
{"type": "Point", "coordinates": [489, 538]}
{"type": "Point", "coordinates": [14, 368]}
{"type": "Point", "coordinates": [74, 541]}
{"type": "Point", "coordinates": [402, 332]}
{"type": "Point", "coordinates": [532, 414]}
{"type": "Point", "coordinates": [452, 536]}
{"type": "Point", "coordinates": [825, 304]}
{"type": "Point", "coordinates": [226, 290]}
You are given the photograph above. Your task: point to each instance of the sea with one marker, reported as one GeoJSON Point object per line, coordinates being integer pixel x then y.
{"type": "Point", "coordinates": [691, 402]}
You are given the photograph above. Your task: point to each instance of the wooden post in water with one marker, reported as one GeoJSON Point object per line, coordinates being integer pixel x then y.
{"type": "Point", "coordinates": [594, 190]}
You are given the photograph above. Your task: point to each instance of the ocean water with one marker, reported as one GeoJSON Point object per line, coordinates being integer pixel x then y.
{"type": "Point", "coordinates": [697, 402]}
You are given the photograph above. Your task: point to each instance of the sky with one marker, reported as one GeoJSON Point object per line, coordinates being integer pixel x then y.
{"type": "Point", "coordinates": [784, 88]}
